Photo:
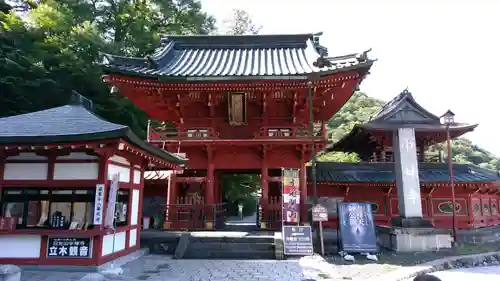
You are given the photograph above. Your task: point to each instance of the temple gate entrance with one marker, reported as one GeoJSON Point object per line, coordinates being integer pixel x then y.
{"type": "Point", "coordinates": [236, 103]}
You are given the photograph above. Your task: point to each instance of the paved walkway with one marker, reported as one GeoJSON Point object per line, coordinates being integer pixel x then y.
{"type": "Point", "coordinates": [163, 268]}
{"type": "Point", "coordinates": [491, 273]}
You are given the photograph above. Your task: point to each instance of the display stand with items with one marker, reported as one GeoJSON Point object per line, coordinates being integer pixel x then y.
{"type": "Point", "coordinates": [55, 183]}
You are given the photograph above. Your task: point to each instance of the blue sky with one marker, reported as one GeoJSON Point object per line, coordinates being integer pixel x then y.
{"type": "Point", "coordinates": [444, 51]}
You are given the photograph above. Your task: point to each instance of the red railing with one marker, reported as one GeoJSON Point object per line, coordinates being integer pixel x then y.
{"type": "Point", "coordinates": [272, 213]}
{"type": "Point", "coordinates": [319, 132]}
{"type": "Point", "coordinates": [195, 216]}
{"type": "Point", "coordinates": [162, 134]}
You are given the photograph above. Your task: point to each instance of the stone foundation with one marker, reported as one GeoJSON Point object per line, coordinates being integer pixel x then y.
{"type": "Point", "coordinates": [414, 239]}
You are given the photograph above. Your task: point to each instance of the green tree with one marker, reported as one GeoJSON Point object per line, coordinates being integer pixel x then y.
{"type": "Point", "coordinates": [58, 42]}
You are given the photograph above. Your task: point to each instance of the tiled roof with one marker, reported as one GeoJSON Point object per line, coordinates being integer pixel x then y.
{"type": "Point", "coordinates": [70, 123]}
{"type": "Point", "coordinates": [401, 112]}
{"type": "Point", "coordinates": [67, 120]}
{"type": "Point", "coordinates": [385, 173]}
{"type": "Point", "coordinates": [236, 56]}
{"type": "Point", "coordinates": [404, 101]}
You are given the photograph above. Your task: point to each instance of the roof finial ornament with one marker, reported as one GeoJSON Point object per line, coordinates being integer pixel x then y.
{"type": "Point", "coordinates": [78, 99]}
{"type": "Point", "coordinates": [150, 61]}
{"type": "Point", "coordinates": [363, 56]}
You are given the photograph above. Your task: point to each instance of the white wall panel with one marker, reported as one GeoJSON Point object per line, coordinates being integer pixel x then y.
{"type": "Point", "coordinates": [124, 172]}
{"type": "Point", "coordinates": [137, 177]}
{"type": "Point", "coordinates": [134, 211]}
{"type": "Point", "coordinates": [26, 171]}
{"type": "Point", "coordinates": [20, 246]}
{"type": "Point", "coordinates": [107, 243]}
{"type": "Point", "coordinates": [76, 171]}
{"type": "Point", "coordinates": [132, 239]}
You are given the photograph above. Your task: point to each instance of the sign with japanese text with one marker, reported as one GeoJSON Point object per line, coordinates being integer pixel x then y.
{"type": "Point", "coordinates": [111, 207]}
{"type": "Point", "coordinates": [98, 204]}
{"type": "Point", "coordinates": [297, 240]}
{"type": "Point", "coordinates": [291, 195]}
{"type": "Point", "coordinates": [357, 228]}
{"type": "Point", "coordinates": [59, 247]}
{"type": "Point", "coordinates": [319, 213]}
{"type": "Point", "coordinates": [407, 177]}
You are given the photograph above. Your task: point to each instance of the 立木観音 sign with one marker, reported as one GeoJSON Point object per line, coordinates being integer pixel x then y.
{"type": "Point", "coordinates": [357, 228]}
{"type": "Point", "coordinates": [65, 247]}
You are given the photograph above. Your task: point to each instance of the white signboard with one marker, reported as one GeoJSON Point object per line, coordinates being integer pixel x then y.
{"type": "Point", "coordinates": [98, 204]}
{"type": "Point", "coordinates": [111, 207]}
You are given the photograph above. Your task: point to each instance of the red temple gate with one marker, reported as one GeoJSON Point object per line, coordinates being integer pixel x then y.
{"type": "Point", "coordinates": [232, 103]}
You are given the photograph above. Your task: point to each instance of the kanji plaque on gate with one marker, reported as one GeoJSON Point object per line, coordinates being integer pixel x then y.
{"type": "Point", "coordinates": [59, 247]}
{"type": "Point", "coordinates": [319, 213]}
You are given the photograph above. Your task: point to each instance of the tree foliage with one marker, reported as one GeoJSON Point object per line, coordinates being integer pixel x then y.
{"type": "Point", "coordinates": [241, 23]}
{"type": "Point", "coordinates": [49, 47]}
{"type": "Point", "coordinates": [358, 110]}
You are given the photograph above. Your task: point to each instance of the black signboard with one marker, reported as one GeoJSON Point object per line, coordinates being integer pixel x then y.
{"type": "Point", "coordinates": [297, 240]}
{"type": "Point", "coordinates": [62, 247]}
{"type": "Point", "coordinates": [356, 228]}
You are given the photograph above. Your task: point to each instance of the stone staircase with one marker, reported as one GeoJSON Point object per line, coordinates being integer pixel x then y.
{"type": "Point", "coordinates": [234, 247]}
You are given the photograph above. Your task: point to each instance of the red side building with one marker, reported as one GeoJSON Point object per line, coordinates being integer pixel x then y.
{"type": "Point", "coordinates": [374, 179]}
{"type": "Point", "coordinates": [55, 171]}
{"type": "Point", "coordinates": [235, 104]}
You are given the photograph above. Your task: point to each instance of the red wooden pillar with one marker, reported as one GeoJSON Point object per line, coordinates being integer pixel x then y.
{"type": "Point", "coordinates": [171, 201]}
{"type": "Point", "coordinates": [264, 187]}
{"type": "Point", "coordinates": [209, 190]}
{"type": "Point", "coordinates": [209, 197]}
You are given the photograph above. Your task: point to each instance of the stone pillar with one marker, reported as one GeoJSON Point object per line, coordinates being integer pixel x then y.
{"type": "Point", "coordinates": [9, 272]}
{"type": "Point", "coordinates": [407, 180]}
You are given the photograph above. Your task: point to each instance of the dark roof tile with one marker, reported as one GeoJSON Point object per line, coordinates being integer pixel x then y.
{"type": "Point", "coordinates": [70, 123]}
{"type": "Point", "coordinates": [385, 173]}
{"type": "Point", "coordinates": [235, 56]}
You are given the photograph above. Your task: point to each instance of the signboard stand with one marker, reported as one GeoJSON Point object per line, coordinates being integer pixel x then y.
{"type": "Point", "coordinates": [320, 214]}
{"type": "Point", "coordinates": [297, 240]}
{"type": "Point", "coordinates": [356, 228]}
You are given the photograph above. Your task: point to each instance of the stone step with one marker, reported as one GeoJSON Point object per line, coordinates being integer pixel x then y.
{"type": "Point", "coordinates": [232, 240]}
{"type": "Point", "coordinates": [232, 248]}
{"type": "Point", "coordinates": [229, 254]}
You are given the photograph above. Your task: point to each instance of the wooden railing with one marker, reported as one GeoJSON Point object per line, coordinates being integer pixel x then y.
{"type": "Point", "coordinates": [161, 135]}
{"type": "Point", "coordinates": [319, 132]}
{"type": "Point", "coordinates": [272, 213]}
{"type": "Point", "coordinates": [195, 216]}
